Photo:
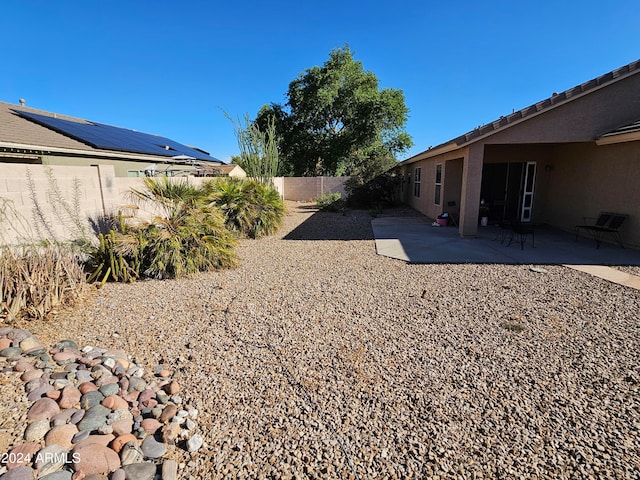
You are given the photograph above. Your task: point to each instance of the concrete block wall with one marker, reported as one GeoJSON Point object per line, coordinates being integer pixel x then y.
{"type": "Point", "coordinates": [34, 199]}
{"type": "Point", "coordinates": [307, 189]}
{"type": "Point", "coordinates": [31, 205]}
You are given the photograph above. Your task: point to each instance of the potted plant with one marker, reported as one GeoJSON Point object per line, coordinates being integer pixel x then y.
{"type": "Point", "coordinates": [484, 213]}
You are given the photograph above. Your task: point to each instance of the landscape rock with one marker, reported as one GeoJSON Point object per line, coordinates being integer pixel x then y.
{"type": "Point", "coordinates": [36, 430]}
{"type": "Point", "coordinates": [19, 473]}
{"type": "Point", "coordinates": [51, 459]}
{"type": "Point", "coordinates": [94, 418]}
{"type": "Point", "coordinates": [10, 352]}
{"type": "Point", "coordinates": [91, 399]}
{"type": "Point", "coordinates": [168, 413]}
{"type": "Point", "coordinates": [139, 471]}
{"type": "Point", "coordinates": [61, 475]}
{"type": "Point", "coordinates": [22, 454]}
{"type": "Point", "coordinates": [61, 435]}
{"type": "Point", "coordinates": [131, 453]}
{"type": "Point", "coordinates": [151, 425]}
{"type": "Point", "coordinates": [170, 470]}
{"type": "Point", "coordinates": [152, 449]}
{"type": "Point", "coordinates": [95, 459]}
{"type": "Point", "coordinates": [70, 397]}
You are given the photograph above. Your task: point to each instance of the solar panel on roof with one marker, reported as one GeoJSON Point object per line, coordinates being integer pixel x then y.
{"type": "Point", "coordinates": [107, 137]}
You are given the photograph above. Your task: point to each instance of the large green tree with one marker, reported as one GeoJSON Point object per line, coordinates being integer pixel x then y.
{"type": "Point", "coordinates": [337, 121]}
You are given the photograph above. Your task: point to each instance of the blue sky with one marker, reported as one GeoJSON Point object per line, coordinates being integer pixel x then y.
{"type": "Point", "coordinates": [168, 67]}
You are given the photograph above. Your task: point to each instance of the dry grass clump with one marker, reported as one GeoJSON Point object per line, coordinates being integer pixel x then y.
{"type": "Point", "coordinates": [36, 279]}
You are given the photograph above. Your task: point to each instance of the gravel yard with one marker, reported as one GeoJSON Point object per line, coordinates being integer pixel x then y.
{"type": "Point", "coordinates": [316, 358]}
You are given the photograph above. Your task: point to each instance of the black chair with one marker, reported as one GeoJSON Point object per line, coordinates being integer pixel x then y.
{"type": "Point", "coordinates": [453, 215]}
{"type": "Point", "coordinates": [520, 231]}
{"type": "Point", "coordinates": [505, 230]}
{"type": "Point", "coordinates": [517, 230]}
{"type": "Point", "coordinates": [606, 223]}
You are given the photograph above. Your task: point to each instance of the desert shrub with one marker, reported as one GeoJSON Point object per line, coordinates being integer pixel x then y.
{"type": "Point", "coordinates": [330, 202]}
{"type": "Point", "coordinates": [117, 257]}
{"type": "Point", "coordinates": [185, 238]}
{"type": "Point", "coordinates": [196, 241]}
{"type": "Point", "coordinates": [251, 208]}
{"type": "Point", "coordinates": [381, 191]}
{"type": "Point", "coordinates": [36, 279]}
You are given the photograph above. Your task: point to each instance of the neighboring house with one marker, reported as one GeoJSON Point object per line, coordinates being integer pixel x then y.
{"type": "Point", "coordinates": [34, 136]}
{"type": "Point", "coordinates": [230, 170]}
{"type": "Point", "coordinates": [567, 157]}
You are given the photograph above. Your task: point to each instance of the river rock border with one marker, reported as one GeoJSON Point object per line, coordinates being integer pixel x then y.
{"type": "Point", "coordinates": [96, 413]}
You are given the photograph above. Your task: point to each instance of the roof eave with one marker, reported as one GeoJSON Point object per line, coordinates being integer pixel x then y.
{"type": "Point", "coordinates": [618, 138]}
{"type": "Point", "coordinates": [516, 118]}
{"type": "Point", "coordinates": [94, 153]}
{"type": "Point", "coordinates": [432, 152]}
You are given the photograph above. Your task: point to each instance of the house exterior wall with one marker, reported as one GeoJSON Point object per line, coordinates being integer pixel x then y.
{"type": "Point", "coordinates": [579, 180]}
{"type": "Point", "coordinates": [577, 122]}
{"type": "Point", "coordinates": [544, 155]}
{"type": "Point", "coordinates": [580, 120]}
{"type": "Point", "coordinates": [452, 168]}
{"type": "Point", "coordinates": [120, 167]}
{"type": "Point", "coordinates": [586, 179]}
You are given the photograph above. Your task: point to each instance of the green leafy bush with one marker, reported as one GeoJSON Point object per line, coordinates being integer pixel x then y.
{"type": "Point", "coordinates": [251, 208]}
{"type": "Point", "coordinates": [381, 191]}
{"type": "Point", "coordinates": [330, 202]}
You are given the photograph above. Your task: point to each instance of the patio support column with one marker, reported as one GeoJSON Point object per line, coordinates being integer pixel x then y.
{"type": "Point", "coordinates": [470, 195]}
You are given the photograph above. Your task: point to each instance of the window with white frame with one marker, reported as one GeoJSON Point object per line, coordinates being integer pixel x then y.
{"type": "Point", "coordinates": [416, 182]}
{"type": "Point", "coordinates": [438, 192]}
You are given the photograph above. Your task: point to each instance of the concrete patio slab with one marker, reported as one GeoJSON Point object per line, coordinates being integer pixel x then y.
{"type": "Point", "coordinates": [414, 240]}
{"type": "Point", "coordinates": [611, 274]}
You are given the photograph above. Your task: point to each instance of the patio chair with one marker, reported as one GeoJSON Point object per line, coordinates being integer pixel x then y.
{"type": "Point", "coordinates": [453, 213]}
{"type": "Point", "coordinates": [606, 223]}
{"type": "Point", "coordinates": [520, 231]}
{"type": "Point", "coordinates": [505, 230]}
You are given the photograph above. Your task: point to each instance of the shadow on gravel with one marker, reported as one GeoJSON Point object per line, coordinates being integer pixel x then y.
{"type": "Point", "coordinates": [348, 225]}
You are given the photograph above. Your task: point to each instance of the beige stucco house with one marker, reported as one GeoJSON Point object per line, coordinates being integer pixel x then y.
{"type": "Point", "coordinates": [570, 156]}
{"type": "Point", "coordinates": [29, 135]}
{"type": "Point", "coordinates": [229, 170]}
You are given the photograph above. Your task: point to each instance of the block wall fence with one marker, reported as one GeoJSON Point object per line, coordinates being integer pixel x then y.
{"type": "Point", "coordinates": [33, 198]}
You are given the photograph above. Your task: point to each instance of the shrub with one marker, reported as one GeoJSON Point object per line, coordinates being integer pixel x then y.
{"type": "Point", "coordinates": [251, 208]}
{"type": "Point", "coordinates": [381, 191]}
{"type": "Point", "coordinates": [185, 238]}
{"type": "Point", "coordinates": [35, 279]}
{"type": "Point", "coordinates": [330, 202]}
{"type": "Point", "coordinates": [117, 256]}
{"type": "Point", "coordinates": [193, 242]}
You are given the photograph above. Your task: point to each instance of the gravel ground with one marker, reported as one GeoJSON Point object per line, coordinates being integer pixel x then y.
{"type": "Point", "coordinates": [318, 359]}
{"type": "Point", "coordinates": [632, 269]}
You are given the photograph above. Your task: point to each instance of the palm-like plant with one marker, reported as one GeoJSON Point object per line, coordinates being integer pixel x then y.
{"type": "Point", "coordinates": [186, 237]}
{"type": "Point", "coordinates": [250, 207]}
{"type": "Point", "coordinates": [170, 197]}
{"type": "Point", "coordinates": [194, 241]}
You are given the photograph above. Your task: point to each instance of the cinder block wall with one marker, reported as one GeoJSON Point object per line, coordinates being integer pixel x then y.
{"type": "Point", "coordinates": [35, 202]}
{"type": "Point", "coordinates": [34, 198]}
{"type": "Point", "coordinates": [307, 189]}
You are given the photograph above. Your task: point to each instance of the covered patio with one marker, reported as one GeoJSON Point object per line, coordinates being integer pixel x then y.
{"type": "Point", "coordinates": [558, 162]}
{"type": "Point", "coordinates": [414, 240]}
